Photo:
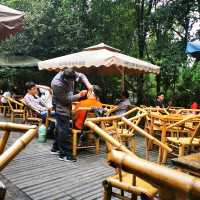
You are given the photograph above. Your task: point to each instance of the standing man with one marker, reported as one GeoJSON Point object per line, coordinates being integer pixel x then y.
{"type": "Point", "coordinates": [63, 88]}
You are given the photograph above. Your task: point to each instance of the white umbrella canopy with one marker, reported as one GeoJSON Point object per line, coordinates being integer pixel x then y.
{"type": "Point", "coordinates": [100, 59]}
{"type": "Point", "coordinates": [11, 21]}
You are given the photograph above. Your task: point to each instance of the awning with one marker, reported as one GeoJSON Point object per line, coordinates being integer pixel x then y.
{"type": "Point", "coordinates": [18, 61]}
{"type": "Point", "coordinates": [101, 59]}
{"type": "Point", "coordinates": [11, 21]}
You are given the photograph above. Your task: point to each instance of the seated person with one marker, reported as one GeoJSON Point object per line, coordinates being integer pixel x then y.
{"type": "Point", "coordinates": [159, 102]}
{"type": "Point", "coordinates": [92, 101]}
{"type": "Point", "coordinates": [31, 99]}
{"type": "Point", "coordinates": [4, 101]}
{"type": "Point", "coordinates": [124, 103]}
{"type": "Point", "coordinates": [194, 105]}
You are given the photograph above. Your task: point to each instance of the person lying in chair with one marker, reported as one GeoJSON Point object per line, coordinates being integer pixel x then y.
{"type": "Point", "coordinates": [92, 102]}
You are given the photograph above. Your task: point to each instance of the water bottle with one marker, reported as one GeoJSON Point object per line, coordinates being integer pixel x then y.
{"type": "Point", "coordinates": [42, 134]}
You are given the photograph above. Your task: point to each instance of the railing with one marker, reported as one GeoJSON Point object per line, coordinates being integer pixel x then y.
{"type": "Point", "coordinates": [171, 184]}
{"type": "Point", "coordinates": [6, 156]}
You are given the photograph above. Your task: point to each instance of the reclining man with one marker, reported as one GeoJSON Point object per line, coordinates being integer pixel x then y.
{"type": "Point", "coordinates": [32, 100]}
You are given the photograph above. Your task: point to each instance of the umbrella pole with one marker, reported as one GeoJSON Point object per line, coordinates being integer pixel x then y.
{"type": "Point", "coordinates": [122, 80]}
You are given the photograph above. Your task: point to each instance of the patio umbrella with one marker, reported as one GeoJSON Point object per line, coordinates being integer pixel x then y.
{"type": "Point", "coordinates": [10, 21]}
{"type": "Point", "coordinates": [193, 48]}
{"type": "Point", "coordinates": [100, 59]}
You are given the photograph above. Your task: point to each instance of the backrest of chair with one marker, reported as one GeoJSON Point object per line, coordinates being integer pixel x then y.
{"type": "Point", "coordinates": [29, 111]}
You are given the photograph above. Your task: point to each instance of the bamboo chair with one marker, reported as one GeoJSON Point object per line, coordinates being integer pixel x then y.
{"type": "Point", "coordinates": [76, 135]}
{"type": "Point", "coordinates": [16, 108]}
{"type": "Point", "coordinates": [124, 181]}
{"type": "Point", "coordinates": [31, 115]}
{"type": "Point", "coordinates": [188, 111]}
{"type": "Point", "coordinates": [187, 141]}
{"type": "Point", "coordinates": [5, 109]}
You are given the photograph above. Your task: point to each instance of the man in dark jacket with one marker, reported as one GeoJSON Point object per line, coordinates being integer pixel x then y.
{"type": "Point", "coordinates": [63, 89]}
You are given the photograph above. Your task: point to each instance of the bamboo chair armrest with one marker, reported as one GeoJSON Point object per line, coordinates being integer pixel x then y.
{"type": "Point", "coordinates": [182, 121]}
{"type": "Point", "coordinates": [14, 101]}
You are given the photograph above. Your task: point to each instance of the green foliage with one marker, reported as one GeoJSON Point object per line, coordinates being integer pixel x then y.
{"type": "Point", "coordinates": [156, 31]}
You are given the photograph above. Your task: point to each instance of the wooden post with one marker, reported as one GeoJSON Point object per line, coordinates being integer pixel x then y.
{"type": "Point", "coordinates": [2, 191]}
{"type": "Point", "coordinates": [4, 140]}
{"type": "Point", "coordinates": [107, 191]}
{"type": "Point", "coordinates": [123, 80]}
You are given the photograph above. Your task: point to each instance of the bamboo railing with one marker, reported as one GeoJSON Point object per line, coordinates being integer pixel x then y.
{"type": "Point", "coordinates": [171, 184]}
{"type": "Point", "coordinates": [19, 144]}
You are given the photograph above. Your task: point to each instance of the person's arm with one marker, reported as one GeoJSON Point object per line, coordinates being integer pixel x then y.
{"type": "Point", "coordinates": [45, 88]}
{"type": "Point", "coordinates": [65, 97]}
{"type": "Point", "coordinates": [84, 79]}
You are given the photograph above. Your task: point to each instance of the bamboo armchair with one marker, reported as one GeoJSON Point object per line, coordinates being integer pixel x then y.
{"type": "Point", "coordinates": [124, 181]}
{"type": "Point", "coordinates": [187, 135]}
{"type": "Point", "coordinates": [16, 108]}
{"type": "Point", "coordinates": [31, 115]}
{"type": "Point", "coordinates": [93, 141]}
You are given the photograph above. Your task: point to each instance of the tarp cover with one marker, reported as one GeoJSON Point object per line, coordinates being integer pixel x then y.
{"type": "Point", "coordinates": [101, 59]}
{"type": "Point", "coordinates": [11, 21]}
{"type": "Point", "coordinates": [193, 48]}
{"type": "Point", "coordinates": [18, 61]}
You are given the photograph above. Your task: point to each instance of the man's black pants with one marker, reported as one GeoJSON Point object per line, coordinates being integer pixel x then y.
{"type": "Point", "coordinates": [63, 135]}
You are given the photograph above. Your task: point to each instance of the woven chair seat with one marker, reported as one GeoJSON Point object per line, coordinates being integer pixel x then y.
{"type": "Point", "coordinates": [184, 140]}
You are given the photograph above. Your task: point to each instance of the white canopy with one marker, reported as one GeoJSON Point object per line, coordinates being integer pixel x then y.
{"type": "Point", "coordinates": [100, 59]}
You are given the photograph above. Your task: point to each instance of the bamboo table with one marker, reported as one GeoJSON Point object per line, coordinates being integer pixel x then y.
{"type": "Point", "coordinates": [189, 163]}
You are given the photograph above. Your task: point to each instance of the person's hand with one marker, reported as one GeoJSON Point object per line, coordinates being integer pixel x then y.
{"type": "Point", "coordinates": [83, 93]}
{"type": "Point", "coordinates": [90, 88]}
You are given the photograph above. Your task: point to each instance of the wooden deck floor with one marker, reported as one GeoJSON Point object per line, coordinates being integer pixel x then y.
{"type": "Point", "coordinates": [38, 175]}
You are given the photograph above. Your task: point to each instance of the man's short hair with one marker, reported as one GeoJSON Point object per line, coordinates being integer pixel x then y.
{"type": "Point", "coordinates": [69, 74]}
{"type": "Point", "coordinates": [29, 85]}
{"type": "Point", "coordinates": [160, 94]}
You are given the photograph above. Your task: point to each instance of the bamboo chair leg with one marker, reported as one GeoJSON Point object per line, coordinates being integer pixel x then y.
{"type": "Point", "coordinates": [164, 157]}
{"type": "Point", "coordinates": [24, 117]}
{"type": "Point", "coordinates": [4, 111]}
{"type": "Point", "coordinates": [159, 156]}
{"type": "Point", "coordinates": [133, 144]}
{"type": "Point", "coordinates": [147, 148]}
{"type": "Point", "coordinates": [4, 140]}
{"type": "Point", "coordinates": [97, 141]}
{"type": "Point", "coordinates": [181, 150]}
{"type": "Point", "coordinates": [74, 144]}
{"type": "Point", "coordinates": [12, 117]}
{"type": "Point", "coordinates": [133, 196]}
{"type": "Point", "coordinates": [107, 191]}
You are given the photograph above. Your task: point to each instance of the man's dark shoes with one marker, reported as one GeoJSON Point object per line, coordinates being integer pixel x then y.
{"type": "Point", "coordinates": [54, 151]}
{"type": "Point", "coordinates": [67, 158]}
